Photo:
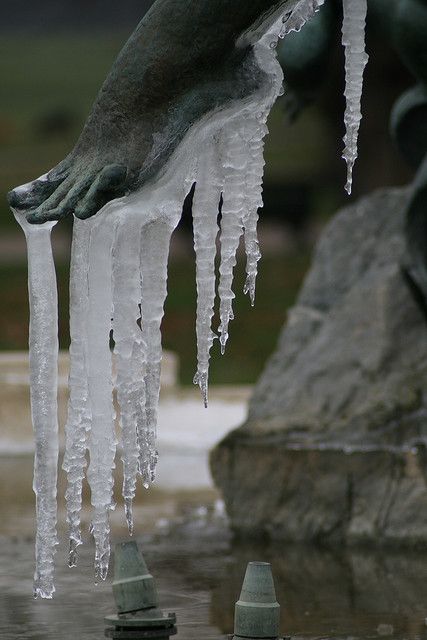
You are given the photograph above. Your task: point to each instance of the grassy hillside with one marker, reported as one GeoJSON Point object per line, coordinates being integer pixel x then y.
{"type": "Point", "coordinates": [253, 334]}
{"type": "Point", "coordinates": [48, 86]}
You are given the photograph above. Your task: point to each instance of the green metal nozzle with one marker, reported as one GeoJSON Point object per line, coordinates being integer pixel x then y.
{"type": "Point", "coordinates": [133, 587]}
{"type": "Point", "coordinates": [257, 612]}
{"type": "Point", "coordinates": [138, 616]}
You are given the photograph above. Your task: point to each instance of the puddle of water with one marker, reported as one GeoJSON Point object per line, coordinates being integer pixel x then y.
{"type": "Point", "coordinates": [199, 569]}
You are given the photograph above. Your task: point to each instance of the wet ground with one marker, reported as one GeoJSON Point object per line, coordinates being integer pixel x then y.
{"type": "Point", "coordinates": [199, 569]}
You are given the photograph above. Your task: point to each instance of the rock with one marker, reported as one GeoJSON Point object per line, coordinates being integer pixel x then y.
{"type": "Point", "coordinates": [334, 445]}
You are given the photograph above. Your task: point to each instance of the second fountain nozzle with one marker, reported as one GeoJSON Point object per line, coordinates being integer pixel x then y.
{"type": "Point", "coordinates": [257, 612]}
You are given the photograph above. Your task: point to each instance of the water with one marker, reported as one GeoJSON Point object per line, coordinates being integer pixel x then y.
{"type": "Point", "coordinates": [324, 594]}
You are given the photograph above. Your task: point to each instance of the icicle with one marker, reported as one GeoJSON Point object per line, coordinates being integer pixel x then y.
{"type": "Point", "coordinates": [43, 344]}
{"type": "Point", "coordinates": [128, 349]}
{"type": "Point", "coordinates": [154, 259]}
{"type": "Point", "coordinates": [139, 360]}
{"type": "Point", "coordinates": [79, 415]}
{"type": "Point", "coordinates": [234, 165]}
{"type": "Point", "coordinates": [353, 39]}
{"type": "Point", "coordinates": [256, 131]}
{"type": "Point", "coordinates": [102, 443]}
{"type": "Point", "coordinates": [205, 213]}
{"type": "Point", "coordinates": [302, 12]}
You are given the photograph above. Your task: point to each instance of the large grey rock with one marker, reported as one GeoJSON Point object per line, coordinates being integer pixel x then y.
{"type": "Point", "coordinates": [333, 447]}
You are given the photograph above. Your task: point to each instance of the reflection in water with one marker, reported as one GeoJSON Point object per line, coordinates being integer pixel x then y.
{"type": "Point", "coordinates": [199, 570]}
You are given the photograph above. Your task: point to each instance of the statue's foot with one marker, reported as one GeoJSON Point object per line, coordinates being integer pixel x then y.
{"type": "Point", "coordinates": [113, 166]}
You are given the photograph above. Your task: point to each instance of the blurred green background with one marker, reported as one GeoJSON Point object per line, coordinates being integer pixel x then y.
{"type": "Point", "coordinates": [53, 58]}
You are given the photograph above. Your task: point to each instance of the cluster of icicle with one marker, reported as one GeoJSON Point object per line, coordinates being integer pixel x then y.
{"type": "Point", "coordinates": [118, 289]}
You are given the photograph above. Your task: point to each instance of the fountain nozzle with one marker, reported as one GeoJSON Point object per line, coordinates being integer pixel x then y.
{"type": "Point", "coordinates": [138, 616]}
{"type": "Point", "coordinates": [257, 612]}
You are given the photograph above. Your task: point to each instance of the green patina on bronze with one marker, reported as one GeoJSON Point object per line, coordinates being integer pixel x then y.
{"type": "Point", "coordinates": [185, 59]}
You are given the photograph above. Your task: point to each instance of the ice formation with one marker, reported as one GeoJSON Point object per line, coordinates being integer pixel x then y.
{"type": "Point", "coordinates": [43, 343]}
{"type": "Point", "coordinates": [296, 19]}
{"type": "Point", "coordinates": [118, 289]}
{"type": "Point", "coordinates": [205, 228]}
{"type": "Point", "coordinates": [353, 39]}
{"type": "Point", "coordinates": [79, 411]}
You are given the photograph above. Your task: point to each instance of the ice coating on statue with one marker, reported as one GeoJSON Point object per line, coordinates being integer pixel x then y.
{"type": "Point", "coordinates": [296, 19]}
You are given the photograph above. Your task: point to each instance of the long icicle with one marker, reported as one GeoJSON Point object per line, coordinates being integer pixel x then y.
{"type": "Point", "coordinates": [353, 39]}
{"type": "Point", "coordinates": [234, 165]}
{"type": "Point", "coordinates": [154, 260]}
{"type": "Point", "coordinates": [128, 347]}
{"type": "Point", "coordinates": [205, 213]}
{"type": "Point", "coordinates": [43, 345]}
{"type": "Point", "coordinates": [102, 444]}
{"type": "Point", "coordinates": [255, 133]}
{"type": "Point", "coordinates": [79, 415]}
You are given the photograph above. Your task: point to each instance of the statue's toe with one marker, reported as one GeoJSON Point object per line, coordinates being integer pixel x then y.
{"type": "Point", "coordinates": [81, 194]}
{"type": "Point", "coordinates": [62, 202]}
{"type": "Point", "coordinates": [33, 194]}
{"type": "Point", "coordinates": [108, 185]}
